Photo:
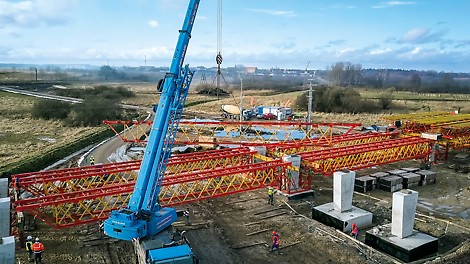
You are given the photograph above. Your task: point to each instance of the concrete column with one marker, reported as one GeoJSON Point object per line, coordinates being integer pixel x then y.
{"type": "Point", "coordinates": [7, 250]}
{"type": "Point", "coordinates": [3, 187]}
{"type": "Point", "coordinates": [260, 149]}
{"type": "Point", "coordinates": [403, 212]}
{"type": "Point", "coordinates": [343, 187]}
{"type": "Point", "coordinates": [4, 217]}
{"type": "Point", "coordinates": [291, 174]}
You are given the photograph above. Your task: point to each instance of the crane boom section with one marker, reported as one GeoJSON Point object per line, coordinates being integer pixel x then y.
{"type": "Point", "coordinates": [159, 144]}
{"type": "Point", "coordinates": [144, 216]}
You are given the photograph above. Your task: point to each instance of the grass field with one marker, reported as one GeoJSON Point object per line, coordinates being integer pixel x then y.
{"type": "Point", "coordinates": [21, 136]}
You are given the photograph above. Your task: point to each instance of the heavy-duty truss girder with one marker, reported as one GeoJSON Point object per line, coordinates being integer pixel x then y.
{"type": "Point", "coordinates": [247, 133]}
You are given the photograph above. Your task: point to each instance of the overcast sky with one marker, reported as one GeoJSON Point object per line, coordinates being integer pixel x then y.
{"type": "Point", "coordinates": [421, 34]}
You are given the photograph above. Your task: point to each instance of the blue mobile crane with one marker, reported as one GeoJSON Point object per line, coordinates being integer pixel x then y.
{"type": "Point", "coordinates": [144, 218]}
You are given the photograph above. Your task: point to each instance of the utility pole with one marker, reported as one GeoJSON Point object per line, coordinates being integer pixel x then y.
{"type": "Point", "coordinates": [241, 99]}
{"type": "Point", "coordinates": [310, 102]}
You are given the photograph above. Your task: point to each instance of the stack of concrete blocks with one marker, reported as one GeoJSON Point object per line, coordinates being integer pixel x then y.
{"type": "Point", "coordinates": [410, 180]}
{"type": "Point", "coordinates": [364, 184]}
{"type": "Point", "coordinates": [391, 183]}
{"type": "Point", "coordinates": [7, 242]}
{"type": "Point", "coordinates": [399, 239]}
{"type": "Point", "coordinates": [427, 177]}
{"type": "Point", "coordinates": [378, 176]}
{"type": "Point", "coordinates": [341, 214]}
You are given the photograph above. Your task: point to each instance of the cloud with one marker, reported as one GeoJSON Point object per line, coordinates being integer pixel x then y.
{"type": "Point", "coordinates": [153, 23]}
{"type": "Point", "coordinates": [422, 35]}
{"type": "Point", "coordinates": [33, 13]}
{"type": "Point", "coordinates": [272, 12]}
{"type": "Point", "coordinates": [392, 4]}
{"type": "Point", "coordinates": [380, 51]}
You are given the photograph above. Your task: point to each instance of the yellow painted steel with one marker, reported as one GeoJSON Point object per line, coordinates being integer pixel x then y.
{"type": "Point", "coordinates": [368, 158]}
{"type": "Point", "coordinates": [320, 145]}
{"type": "Point", "coordinates": [210, 183]}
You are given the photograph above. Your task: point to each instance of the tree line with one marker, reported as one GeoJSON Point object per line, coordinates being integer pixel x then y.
{"type": "Point", "coordinates": [99, 103]}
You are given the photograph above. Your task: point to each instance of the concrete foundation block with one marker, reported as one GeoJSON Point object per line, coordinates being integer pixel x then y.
{"type": "Point", "coordinates": [328, 215]}
{"type": "Point", "coordinates": [411, 248]}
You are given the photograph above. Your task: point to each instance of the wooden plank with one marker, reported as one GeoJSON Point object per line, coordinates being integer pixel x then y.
{"type": "Point", "coordinates": [266, 211]}
{"type": "Point", "coordinates": [252, 223]}
{"type": "Point", "coordinates": [257, 232]}
{"type": "Point", "coordinates": [274, 215]}
{"type": "Point", "coordinates": [249, 245]}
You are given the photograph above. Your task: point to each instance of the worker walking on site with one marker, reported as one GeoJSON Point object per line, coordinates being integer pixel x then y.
{"type": "Point", "coordinates": [38, 249]}
{"type": "Point", "coordinates": [186, 215]}
{"type": "Point", "coordinates": [275, 245]}
{"type": "Point", "coordinates": [270, 195]}
{"type": "Point", "coordinates": [92, 160]}
{"type": "Point", "coordinates": [354, 230]}
{"type": "Point", "coordinates": [29, 247]}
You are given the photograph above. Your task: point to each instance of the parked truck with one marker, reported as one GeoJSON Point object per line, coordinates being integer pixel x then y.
{"type": "Point", "coordinates": [281, 113]}
{"type": "Point", "coordinates": [233, 112]}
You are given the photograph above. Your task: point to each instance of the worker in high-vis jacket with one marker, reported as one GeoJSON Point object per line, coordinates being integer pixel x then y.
{"type": "Point", "coordinates": [92, 160]}
{"type": "Point", "coordinates": [29, 247]}
{"type": "Point", "coordinates": [38, 249]}
{"type": "Point", "coordinates": [270, 195]}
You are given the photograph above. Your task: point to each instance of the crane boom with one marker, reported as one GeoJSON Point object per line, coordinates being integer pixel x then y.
{"type": "Point", "coordinates": [144, 216]}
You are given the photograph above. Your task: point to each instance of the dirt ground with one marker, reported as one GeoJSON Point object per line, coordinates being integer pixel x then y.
{"type": "Point", "coordinates": [237, 228]}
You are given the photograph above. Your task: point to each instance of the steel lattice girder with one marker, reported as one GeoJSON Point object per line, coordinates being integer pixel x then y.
{"type": "Point", "coordinates": [247, 133]}
{"type": "Point", "coordinates": [336, 141]}
{"type": "Point", "coordinates": [72, 179]}
{"type": "Point", "coordinates": [76, 185]}
{"type": "Point", "coordinates": [94, 203]}
{"type": "Point", "coordinates": [460, 142]}
{"type": "Point", "coordinates": [366, 155]}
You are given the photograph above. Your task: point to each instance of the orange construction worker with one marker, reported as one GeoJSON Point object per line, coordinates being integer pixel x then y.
{"type": "Point", "coordinates": [29, 247]}
{"type": "Point", "coordinates": [275, 245]}
{"type": "Point", "coordinates": [354, 230]}
{"type": "Point", "coordinates": [38, 249]}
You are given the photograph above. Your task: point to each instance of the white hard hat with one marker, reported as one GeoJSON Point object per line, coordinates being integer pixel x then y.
{"type": "Point", "coordinates": [37, 239]}
{"type": "Point", "coordinates": [29, 238]}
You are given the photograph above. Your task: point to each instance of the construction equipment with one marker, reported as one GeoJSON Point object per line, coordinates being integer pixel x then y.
{"type": "Point", "coordinates": [233, 112]}
{"type": "Point", "coordinates": [144, 220]}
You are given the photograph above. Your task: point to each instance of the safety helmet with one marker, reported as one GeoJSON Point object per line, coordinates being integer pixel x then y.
{"type": "Point", "coordinates": [353, 225]}
{"type": "Point", "coordinates": [37, 239]}
{"type": "Point", "coordinates": [29, 238]}
{"type": "Point", "coordinates": [274, 232]}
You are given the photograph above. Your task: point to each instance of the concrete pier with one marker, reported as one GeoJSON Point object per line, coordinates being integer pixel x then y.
{"type": "Point", "coordinates": [7, 250]}
{"type": "Point", "coordinates": [398, 238]}
{"type": "Point", "coordinates": [5, 217]}
{"type": "Point", "coordinates": [340, 214]}
{"type": "Point", "coordinates": [3, 187]}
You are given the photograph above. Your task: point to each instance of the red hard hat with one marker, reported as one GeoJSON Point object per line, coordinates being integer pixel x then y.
{"type": "Point", "coordinates": [274, 232]}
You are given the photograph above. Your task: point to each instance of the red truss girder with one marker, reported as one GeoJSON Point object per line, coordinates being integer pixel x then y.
{"type": "Point", "coordinates": [335, 140]}
{"type": "Point", "coordinates": [35, 204]}
{"type": "Point", "coordinates": [288, 125]}
{"type": "Point", "coordinates": [364, 155]}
